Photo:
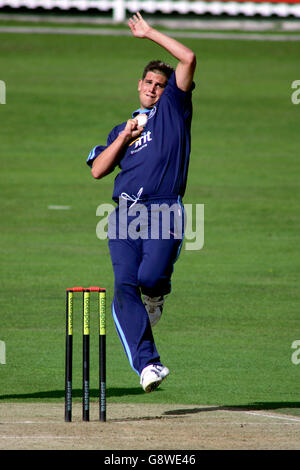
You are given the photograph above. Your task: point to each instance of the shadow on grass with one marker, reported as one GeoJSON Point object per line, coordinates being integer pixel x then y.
{"type": "Point", "coordinates": [249, 407]}
{"type": "Point", "coordinates": [76, 393]}
{"type": "Point", "coordinates": [135, 391]}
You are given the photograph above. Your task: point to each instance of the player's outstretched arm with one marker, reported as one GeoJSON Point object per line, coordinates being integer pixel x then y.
{"type": "Point", "coordinates": [187, 60]}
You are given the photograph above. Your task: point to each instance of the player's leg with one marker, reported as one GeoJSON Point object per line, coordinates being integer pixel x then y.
{"type": "Point", "coordinates": [155, 274]}
{"type": "Point", "coordinates": [154, 277]}
{"type": "Point", "coordinates": [166, 221]}
{"type": "Point", "coordinates": [128, 310]}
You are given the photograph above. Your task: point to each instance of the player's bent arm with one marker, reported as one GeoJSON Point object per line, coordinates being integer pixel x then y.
{"type": "Point", "coordinates": [106, 161]}
{"type": "Point", "coordinates": [187, 60]}
{"type": "Point", "coordinates": [185, 72]}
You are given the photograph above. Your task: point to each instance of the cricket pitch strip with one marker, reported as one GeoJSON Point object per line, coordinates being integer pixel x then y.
{"type": "Point", "coordinates": [41, 426]}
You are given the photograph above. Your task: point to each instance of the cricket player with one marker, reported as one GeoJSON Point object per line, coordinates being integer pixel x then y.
{"type": "Point", "coordinates": [152, 150]}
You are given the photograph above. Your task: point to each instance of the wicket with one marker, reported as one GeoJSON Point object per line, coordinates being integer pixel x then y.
{"type": "Point", "coordinates": [85, 352]}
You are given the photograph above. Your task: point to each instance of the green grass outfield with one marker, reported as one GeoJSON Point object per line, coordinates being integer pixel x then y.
{"type": "Point", "coordinates": [228, 327]}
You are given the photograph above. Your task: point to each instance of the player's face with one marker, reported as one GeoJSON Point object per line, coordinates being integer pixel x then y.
{"type": "Point", "coordinates": [151, 88]}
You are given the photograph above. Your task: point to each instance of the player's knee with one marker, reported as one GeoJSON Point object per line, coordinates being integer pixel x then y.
{"type": "Point", "coordinates": [149, 280]}
{"type": "Point", "coordinates": [154, 287]}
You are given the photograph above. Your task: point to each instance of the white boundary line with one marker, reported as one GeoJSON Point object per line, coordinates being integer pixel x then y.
{"type": "Point", "coordinates": [59, 208]}
{"type": "Point", "coordinates": [265, 415]}
{"type": "Point", "coordinates": [117, 32]}
{"type": "Point", "coordinates": [251, 413]}
{"type": "Point", "coordinates": [231, 24]}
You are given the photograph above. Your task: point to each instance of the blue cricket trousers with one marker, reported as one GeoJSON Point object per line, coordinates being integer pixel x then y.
{"type": "Point", "coordinates": [143, 261]}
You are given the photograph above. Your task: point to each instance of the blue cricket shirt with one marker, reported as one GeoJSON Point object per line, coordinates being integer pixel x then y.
{"type": "Point", "coordinates": [155, 165]}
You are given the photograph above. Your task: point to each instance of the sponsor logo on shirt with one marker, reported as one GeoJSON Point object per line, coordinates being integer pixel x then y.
{"type": "Point", "coordinates": [141, 142]}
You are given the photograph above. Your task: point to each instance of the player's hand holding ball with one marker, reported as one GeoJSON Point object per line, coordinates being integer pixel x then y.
{"type": "Point", "coordinates": [132, 129]}
{"type": "Point", "coordinates": [142, 119]}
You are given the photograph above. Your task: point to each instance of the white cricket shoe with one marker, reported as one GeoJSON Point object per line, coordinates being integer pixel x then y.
{"type": "Point", "coordinates": [154, 307]}
{"type": "Point", "coordinates": [152, 376]}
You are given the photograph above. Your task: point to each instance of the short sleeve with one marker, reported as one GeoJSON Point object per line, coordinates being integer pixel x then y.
{"type": "Point", "coordinates": [99, 148]}
{"type": "Point", "coordinates": [181, 99]}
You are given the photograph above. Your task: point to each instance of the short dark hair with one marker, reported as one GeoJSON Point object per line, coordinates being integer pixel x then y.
{"type": "Point", "coordinates": [159, 67]}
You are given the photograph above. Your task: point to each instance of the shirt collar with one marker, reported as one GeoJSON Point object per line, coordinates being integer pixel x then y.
{"type": "Point", "coordinates": [140, 111]}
